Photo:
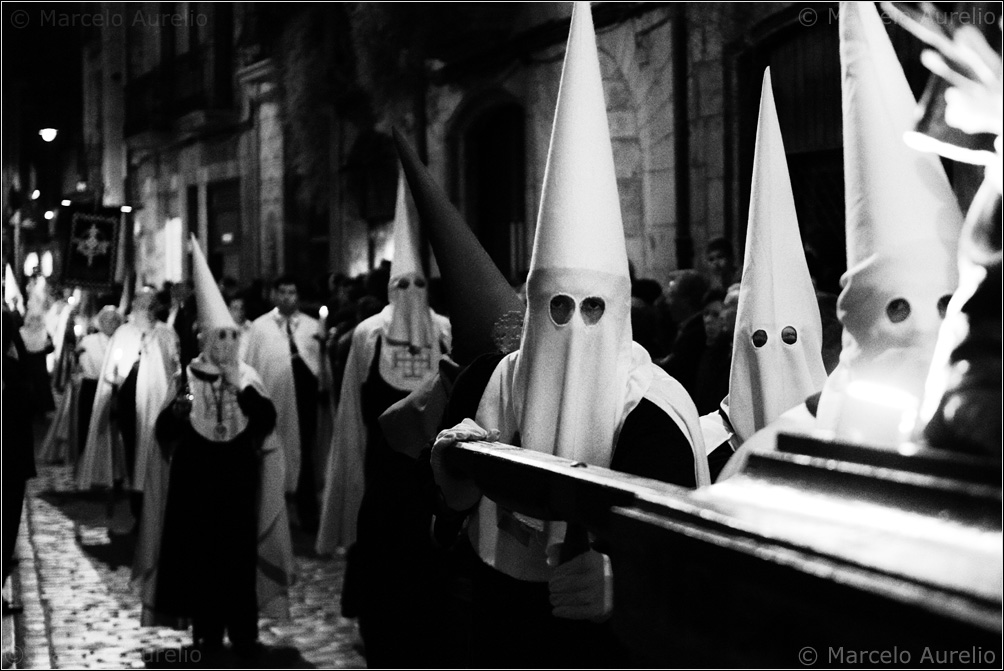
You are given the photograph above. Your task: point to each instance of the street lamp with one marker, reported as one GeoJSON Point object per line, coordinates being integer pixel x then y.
{"type": "Point", "coordinates": [48, 134]}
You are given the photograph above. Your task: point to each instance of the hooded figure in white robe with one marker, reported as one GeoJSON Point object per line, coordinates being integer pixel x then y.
{"type": "Point", "coordinates": [391, 355]}
{"type": "Point", "coordinates": [578, 388]}
{"type": "Point", "coordinates": [139, 375]}
{"type": "Point", "coordinates": [903, 223]}
{"type": "Point", "coordinates": [776, 350]}
{"type": "Point", "coordinates": [147, 351]}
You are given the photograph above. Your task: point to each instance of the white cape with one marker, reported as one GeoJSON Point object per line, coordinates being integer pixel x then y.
{"type": "Point", "coordinates": [268, 354]}
{"type": "Point", "coordinates": [343, 482]}
{"type": "Point", "coordinates": [497, 411]}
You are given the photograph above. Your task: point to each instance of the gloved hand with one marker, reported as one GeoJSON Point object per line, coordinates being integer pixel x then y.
{"type": "Point", "coordinates": [581, 588]}
{"type": "Point", "coordinates": [459, 492]}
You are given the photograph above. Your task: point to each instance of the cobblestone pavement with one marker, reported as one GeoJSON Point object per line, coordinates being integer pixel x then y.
{"type": "Point", "coordinates": [80, 610]}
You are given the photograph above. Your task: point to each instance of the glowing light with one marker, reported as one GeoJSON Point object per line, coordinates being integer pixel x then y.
{"type": "Point", "coordinates": [49, 214]}
{"type": "Point", "coordinates": [65, 203]}
{"type": "Point", "coordinates": [30, 263]}
{"type": "Point", "coordinates": [78, 330]}
{"type": "Point", "coordinates": [47, 264]}
{"type": "Point", "coordinates": [877, 414]}
{"type": "Point", "coordinates": [81, 186]}
{"type": "Point", "coordinates": [323, 312]}
{"type": "Point", "coordinates": [48, 134]}
{"type": "Point", "coordinates": [35, 194]}
{"type": "Point", "coordinates": [126, 209]}
{"type": "Point", "coordinates": [227, 238]}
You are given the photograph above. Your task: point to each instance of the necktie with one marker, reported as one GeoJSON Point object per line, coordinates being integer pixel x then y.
{"type": "Point", "coordinates": [293, 351]}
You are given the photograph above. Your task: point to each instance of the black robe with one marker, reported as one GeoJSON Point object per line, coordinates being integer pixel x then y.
{"type": "Point", "coordinates": [209, 553]}
{"type": "Point", "coordinates": [386, 582]}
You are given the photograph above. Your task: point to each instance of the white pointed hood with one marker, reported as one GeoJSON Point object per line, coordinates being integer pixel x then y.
{"type": "Point", "coordinates": [411, 322]}
{"type": "Point", "coordinates": [903, 223]}
{"type": "Point", "coordinates": [776, 353]}
{"type": "Point", "coordinates": [575, 357]}
{"type": "Point", "coordinates": [219, 335]}
{"type": "Point", "coordinates": [213, 312]}
{"type": "Point", "coordinates": [12, 292]}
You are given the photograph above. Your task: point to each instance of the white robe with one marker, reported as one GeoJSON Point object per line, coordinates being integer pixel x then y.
{"type": "Point", "coordinates": [343, 482]}
{"type": "Point", "coordinates": [104, 457]}
{"type": "Point", "coordinates": [268, 353]}
{"type": "Point", "coordinates": [497, 410]}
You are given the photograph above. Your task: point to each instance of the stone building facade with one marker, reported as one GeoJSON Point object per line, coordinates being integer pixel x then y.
{"type": "Point", "coordinates": [196, 131]}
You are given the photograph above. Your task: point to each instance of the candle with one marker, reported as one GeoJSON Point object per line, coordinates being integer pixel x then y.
{"type": "Point", "coordinates": [322, 325]}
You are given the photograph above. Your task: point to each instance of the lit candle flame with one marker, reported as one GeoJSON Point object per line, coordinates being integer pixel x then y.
{"type": "Point", "coordinates": [322, 324]}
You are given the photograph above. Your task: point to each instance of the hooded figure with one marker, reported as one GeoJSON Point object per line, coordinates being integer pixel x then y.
{"type": "Point", "coordinates": [578, 388]}
{"type": "Point", "coordinates": [225, 550]}
{"type": "Point", "coordinates": [392, 354]}
{"type": "Point", "coordinates": [903, 224]}
{"type": "Point", "coordinates": [776, 350]}
{"type": "Point", "coordinates": [959, 118]}
{"type": "Point", "coordinates": [65, 440]}
{"type": "Point", "coordinates": [402, 604]}
{"type": "Point", "coordinates": [141, 365]}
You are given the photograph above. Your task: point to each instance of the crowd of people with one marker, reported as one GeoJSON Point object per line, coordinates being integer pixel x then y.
{"type": "Point", "coordinates": [233, 415]}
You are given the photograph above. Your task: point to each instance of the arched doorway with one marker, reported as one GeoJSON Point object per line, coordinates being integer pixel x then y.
{"type": "Point", "coordinates": [489, 159]}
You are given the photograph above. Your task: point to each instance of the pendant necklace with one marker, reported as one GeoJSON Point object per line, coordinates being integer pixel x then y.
{"type": "Point", "coordinates": [221, 429]}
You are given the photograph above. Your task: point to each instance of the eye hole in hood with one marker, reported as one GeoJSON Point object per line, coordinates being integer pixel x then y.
{"type": "Point", "coordinates": [592, 309]}
{"type": "Point", "coordinates": [562, 309]}
{"type": "Point", "coordinates": [898, 310]}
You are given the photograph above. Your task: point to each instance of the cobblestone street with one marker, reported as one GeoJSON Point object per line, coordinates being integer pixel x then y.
{"type": "Point", "coordinates": [80, 611]}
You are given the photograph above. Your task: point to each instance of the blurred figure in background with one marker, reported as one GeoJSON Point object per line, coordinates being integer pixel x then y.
{"type": "Point", "coordinates": [38, 346]}
{"type": "Point", "coordinates": [18, 440]}
{"type": "Point", "coordinates": [684, 299]}
{"type": "Point", "coordinates": [713, 368]}
{"type": "Point", "coordinates": [721, 264]}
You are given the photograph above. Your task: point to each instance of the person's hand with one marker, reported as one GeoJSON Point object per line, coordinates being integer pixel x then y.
{"type": "Point", "coordinates": [182, 406]}
{"type": "Point", "coordinates": [581, 588]}
{"type": "Point", "coordinates": [459, 491]}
